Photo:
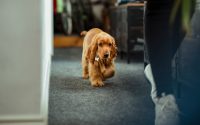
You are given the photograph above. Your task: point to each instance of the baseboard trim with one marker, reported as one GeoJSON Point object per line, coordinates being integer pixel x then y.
{"type": "Point", "coordinates": [22, 118]}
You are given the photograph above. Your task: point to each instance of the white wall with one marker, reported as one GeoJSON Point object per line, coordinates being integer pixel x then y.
{"type": "Point", "coordinates": [25, 49]}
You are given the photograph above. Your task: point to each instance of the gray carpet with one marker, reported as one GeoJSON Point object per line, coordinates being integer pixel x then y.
{"type": "Point", "coordinates": [124, 100]}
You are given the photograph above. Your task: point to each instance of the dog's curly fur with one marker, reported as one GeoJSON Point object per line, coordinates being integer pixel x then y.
{"type": "Point", "coordinates": [99, 53]}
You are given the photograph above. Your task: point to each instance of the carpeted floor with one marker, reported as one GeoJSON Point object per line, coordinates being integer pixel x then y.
{"type": "Point", "coordinates": [124, 100]}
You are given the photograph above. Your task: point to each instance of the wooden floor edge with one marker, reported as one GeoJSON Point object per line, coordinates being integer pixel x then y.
{"type": "Point", "coordinates": [67, 41]}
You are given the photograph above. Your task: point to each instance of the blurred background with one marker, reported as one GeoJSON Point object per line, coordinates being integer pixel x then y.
{"type": "Point", "coordinates": [73, 16]}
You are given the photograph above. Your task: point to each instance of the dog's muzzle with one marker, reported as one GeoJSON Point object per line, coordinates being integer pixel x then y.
{"type": "Point", "coordinates": [106, 55]}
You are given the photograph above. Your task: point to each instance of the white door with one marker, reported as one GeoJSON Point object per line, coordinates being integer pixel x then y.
{"type": "Point", "coordinates": [25, 55]}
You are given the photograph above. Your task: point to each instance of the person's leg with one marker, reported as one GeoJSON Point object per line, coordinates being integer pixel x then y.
{"type": "Point", "coordinates": [159, 42]}
{"type": "Point", "coordinates": [161, 46]}
{"type": "Point", "coordinates": [162, 41]}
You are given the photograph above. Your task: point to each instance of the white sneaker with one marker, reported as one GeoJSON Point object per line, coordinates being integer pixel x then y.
{"type": "Point", "coordinates": [149, 75]}
{"type": "Point", "coordinates": [166, 111]}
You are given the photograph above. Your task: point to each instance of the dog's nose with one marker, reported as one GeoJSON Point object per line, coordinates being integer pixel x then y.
{"type": "Point", "coordinates": [106, 55]}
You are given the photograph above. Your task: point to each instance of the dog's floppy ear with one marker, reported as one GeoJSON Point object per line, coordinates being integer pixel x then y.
{"type": "Point", "coordinates": [113, 53]}
{"type": "Point", "coordinates": [93, 49]}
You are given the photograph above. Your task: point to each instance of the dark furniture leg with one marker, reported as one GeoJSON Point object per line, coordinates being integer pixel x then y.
{"type": "Point", "coordinates": [121, 54]}
{"type": "Point", "coordinates": [128, 51]}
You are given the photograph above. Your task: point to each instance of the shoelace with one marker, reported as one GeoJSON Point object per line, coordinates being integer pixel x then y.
{"type": "Point", "coordinates": [166, 102]}
{"type": "Point", "coordinates": [164, 105]}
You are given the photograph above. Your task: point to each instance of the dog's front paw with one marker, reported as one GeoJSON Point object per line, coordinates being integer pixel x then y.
{"type": "Point", "coordinates": [97, 83]}
{"type": "Point", "coordinates": [100, 83]}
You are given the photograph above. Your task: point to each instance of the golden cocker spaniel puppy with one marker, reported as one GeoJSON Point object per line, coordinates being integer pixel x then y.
{"type": "Point", "coordinates": [99, 53]}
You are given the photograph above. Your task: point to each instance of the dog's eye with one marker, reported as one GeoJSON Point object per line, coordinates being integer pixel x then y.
{"type": "Point", "coordinates": [100, 44]}
{"type": "Point", "coordinates": [109, 44]}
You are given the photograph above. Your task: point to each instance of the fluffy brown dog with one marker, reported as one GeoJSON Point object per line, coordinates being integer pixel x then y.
{"type": "Point", "coordinates": [99, 53]}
